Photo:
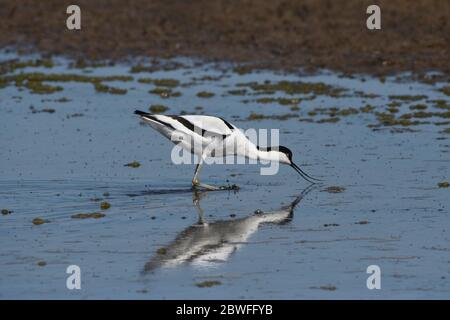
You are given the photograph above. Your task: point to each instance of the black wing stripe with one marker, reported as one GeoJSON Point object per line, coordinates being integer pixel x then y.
{"type": "Point", "coordinates": [192, 127]}
{"type": "Point", "coordinates": [189, 125]}
{"type": "Point", "coordinates": [227, 124]}
{"type": "Point", "coordinates": [150, 117]}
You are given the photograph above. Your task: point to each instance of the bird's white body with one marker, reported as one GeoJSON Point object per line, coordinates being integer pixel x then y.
{"type": "Point", "coordinates": [207, 136]}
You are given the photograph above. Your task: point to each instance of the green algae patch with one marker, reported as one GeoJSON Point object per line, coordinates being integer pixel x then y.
{"type": "Point", "coordinates": [237, 92]}
{"type": "Point", "coordinates": [161, 251]}
{"type": "Point", "coordinates": [105, 205]}
{"type": "Point", "coordinates": [156, 66]}
{"type": "Point", "coordinates": [445, 90]}
{"type": "Point", "coordinates": [100, 87]}
{"type": "Point", "coordinates": [418, 107]}
{"type": "Point", "coordinates": [35, 81]}
{"type": "Point", "coordinates": [407, 97]}
{"type": "Point", "coordinates": [170, 83]}
{"type": "Point", "coordinates": [13, 65]}
{"type": "Point", "coordinates": [441, 104]}
{"type": "Point", "coordinates": [40, 88]}
{"type": "Point", "coordinates": [6, 212]}
{"type": "Point", "coordinates": [257, 116]}
{"type": "Point", "coordinates": [134, 164]}
{"type": "Point", "coordinates": [292, 87]}
{"type": "Point", "coordinates": [443, 184]}
{"type": "Point", "coordinates": [41, 263]}
{"type": "Point", "coordinates": [328, 288]}
{"type": "Point", "coordinates": [328, 120]}
{"type": "Point", "coordinates": [362, 94]}
{"type": "Point", "coordinates": [394, 104]}
{"type": "Point", "coordinates": [334, 189]}
{"type": "Point", "coordinates": [93, 215]}
{"type": "Point", "coordinates": [62, 100]}
{"type": "Point", "coordinates": [242, 70]}
{"type": "Point", "coordinates": [158, 108]}
{"type": "Point", "coordinates": [165, 92]}
{"type": "Point", "coordinates": [48, 110]}
{"type": "Point", "coordinates": [208, 284]}
{"type": "Point", "coordinates": [422, 114]}
{"type": "Point", "coordinates": [447, 130]}
{"type": "Point", "coordinates": [393, 110]}
{"type": "Point", "coordinates": [367, 108]}
{"type": "Point", "coordinates": [326, 225]}
{"type": "Point", "coordinates": [347, 112]}
{"type": "Point", "coordinates": [205, 94]}
{"type": "Point", "coordinates": [39, 221]}
{"type": "Point", "coordinates": [387, 119]}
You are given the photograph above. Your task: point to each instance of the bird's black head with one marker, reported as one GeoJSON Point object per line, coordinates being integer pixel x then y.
{"type": "Point", "coordinates": [286, 151]}
{"type": "Point", "coordinates": [287, 155]}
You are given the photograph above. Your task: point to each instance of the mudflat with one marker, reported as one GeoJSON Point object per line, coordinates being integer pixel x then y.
{"type": "Point", "coordinates": [275, 34]}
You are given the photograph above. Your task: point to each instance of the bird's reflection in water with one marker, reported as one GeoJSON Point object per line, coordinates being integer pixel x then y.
{"type": "Point", "coordinates": [206, 244]}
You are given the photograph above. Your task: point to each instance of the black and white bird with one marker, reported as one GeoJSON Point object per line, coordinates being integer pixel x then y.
{"type": "Point", "coordinates": [208, 136]}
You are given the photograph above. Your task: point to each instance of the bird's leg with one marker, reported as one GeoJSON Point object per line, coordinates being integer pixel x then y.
{"type": "Point", "coordinates": [196, 181]}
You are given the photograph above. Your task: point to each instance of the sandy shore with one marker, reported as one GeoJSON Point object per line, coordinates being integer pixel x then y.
{"type": "Point", "coordinates": [275, 34]}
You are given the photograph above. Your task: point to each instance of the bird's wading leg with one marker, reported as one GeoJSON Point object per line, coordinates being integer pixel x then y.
{"type": "Point", "coordinates": [196, 179]}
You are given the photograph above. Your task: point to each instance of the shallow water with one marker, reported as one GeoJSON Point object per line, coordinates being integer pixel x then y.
{"type": "Point", "coordinates": [53, 165]}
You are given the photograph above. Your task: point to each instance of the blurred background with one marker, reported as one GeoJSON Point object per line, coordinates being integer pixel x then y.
{"type": "Point", "coordinates": [279, 33]}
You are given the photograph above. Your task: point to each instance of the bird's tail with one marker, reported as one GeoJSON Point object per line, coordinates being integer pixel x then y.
{"type": "Point", "coordinates": [141, 113]}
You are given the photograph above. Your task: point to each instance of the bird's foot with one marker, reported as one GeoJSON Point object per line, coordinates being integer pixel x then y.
{"type": "Point", "coordinates": [197, 184]}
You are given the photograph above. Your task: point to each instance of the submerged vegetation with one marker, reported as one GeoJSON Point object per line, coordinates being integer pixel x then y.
{"type": "Point", "coordinates": [171, 83]}
{"type": "Point", "coordinates": [294, 87]}
{"type": "Point", "coordinates": [93, 215]}
{"type": "Point", "coordinates": [105, 205]}
{"type": "Point", "coordinates": [134, 164]}
{"type": "Point", "coordinates": [165, 92]}
{"type": "Point", "coordinates": [205, 94]}
{"type": "Point", "coordinates": [334, 189]}
{"type": "Point", "coordinates": [443, 184]}
{"type": "Point", "coordinates": [39, 221]}
{"type": "Point", "coordinates": [158, 108]}
{"type": "Point", "coordinates": [35, 81]}
{"type": "Point", "coordinates": [208, 283]}
{"type": "Point", "coordinates": [399, 111]}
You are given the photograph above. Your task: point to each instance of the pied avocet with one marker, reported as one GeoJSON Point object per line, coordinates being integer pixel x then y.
{"type": "Point", "coordinates": [208, 136]}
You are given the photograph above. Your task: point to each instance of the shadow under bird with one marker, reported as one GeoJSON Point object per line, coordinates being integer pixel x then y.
{"type": "Point", "coordinates": [204, 244]}
{"type": "Point", "coordinates": [208, 136]}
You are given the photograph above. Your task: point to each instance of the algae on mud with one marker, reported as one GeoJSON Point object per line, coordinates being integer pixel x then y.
{"type": "Point", "coordinates": [158, 108]}
{"type": "Point", "coordinates": [134, 164]}
{"type": "Point", "coordinates": [34, 81]}
{"type": "Point", "coordinates": [208, 283]}
{"type": "Point", "coordinates": [443, 184]}
{"type": "Point", "coordinates": [205, 94]}
{"type": "Point", "coordinates": [105, 205]}
{"type": "Point", "coordinates": [93, 215]}
{"type": "Point", "coordinates": [39, 221]}
{"type": "Point", "coordinates": [334, 189]}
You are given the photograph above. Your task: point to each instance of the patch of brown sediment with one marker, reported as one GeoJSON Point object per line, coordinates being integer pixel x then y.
{"type": "Point", "coordinates": [283, 34]}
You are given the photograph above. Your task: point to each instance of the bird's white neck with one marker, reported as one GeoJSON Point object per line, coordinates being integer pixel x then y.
{"type": "Point", "coordinates": [269, 155]}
